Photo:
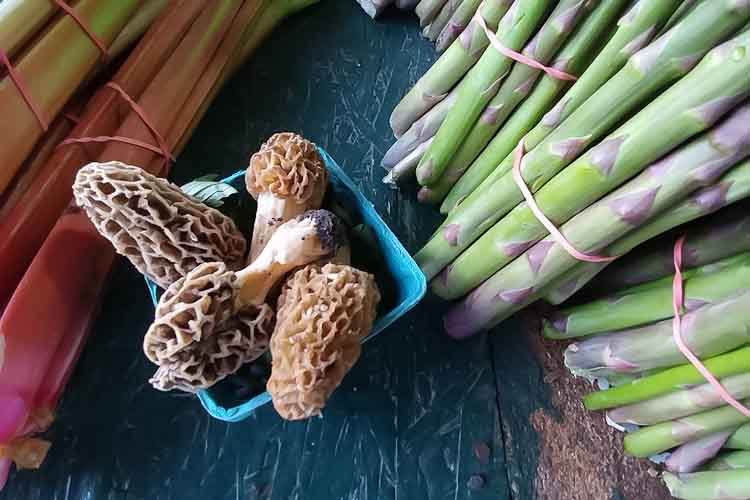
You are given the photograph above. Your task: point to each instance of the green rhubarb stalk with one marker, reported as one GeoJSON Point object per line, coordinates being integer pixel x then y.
{"type": "Point", "coordinates": [642, 306]}
{"type": "Point", "coordinates": [731, 461]}
{"type": "Point", "coordinates": [682, 403]}
{"type": "Point", "coordinates": [713, 485]}
{"type": "Point", "coordinates": [716, 241]}
{"type": "Point", "coordinates": [667, 381]}
{"type": "Point", "coordinates": [457, 23]}
{"type": "Point", "coordinates": [448, 69]}
{"type": "Point", "coordinates": [482, 83]}
{"type": "Point", "coordinates": [634, 31]}
{"type": "Point", "coordinates": [572, 59]}
{"type": "Point", "coordinates": [433, 30]}
{"type": "Point", "coordinates": [709, 331]}
{"type": "Point", "coordinates": [649, 71]}
{"type": "Point", "coordinates": [427, 10]}
{"type": "Point", "coordinates": [740, 440]}
{"type": "Point", "coordinates": [692, 455]}
{"type": "Point", "coordinates": [514, 89]}
{"type": "Point", "coordinates": [667, 435]}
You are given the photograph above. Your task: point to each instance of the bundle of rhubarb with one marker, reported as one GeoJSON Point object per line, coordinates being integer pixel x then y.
{"type": "Point", "coordinates": [696, 424]}
{"type": "Point", "coordinates": [558, 138]}
{"type": "Point", "coordinates": [224, 305]}
{"type": "Point", "coordinates": [52, 259]}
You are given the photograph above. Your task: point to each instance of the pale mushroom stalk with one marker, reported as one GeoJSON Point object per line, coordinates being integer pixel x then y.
{"type": "Point", "coordinates": [287, 177]}
{"type": "Point", "coordinates": [298, 242]}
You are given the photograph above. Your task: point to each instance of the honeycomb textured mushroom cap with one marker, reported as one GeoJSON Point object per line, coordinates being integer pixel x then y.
{"type": "Point", "coordinates": [161, 230]}
{"type": "Point", "coordinates": [324, 313]}
{"type": "Point", "coordinates": [202, 364]}
{"type": "Point", "coordinates": [287, 166]}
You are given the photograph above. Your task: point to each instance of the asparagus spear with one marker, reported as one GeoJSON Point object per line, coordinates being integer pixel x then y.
{"type": "Point", "coordinates": [740, 440]}
{"type": "Point", "coordinates": [701, 247]}
{"type": "Point", "coordinates": [648, 71]}
{"type": "Point", "coordinates": [406, 4]}
{"type": "Point", "coordinates": [667, 435]}
{"type": "Point", "coordinates": [374, 8]}
{"type": "Point", "coordinates": [623, 154]}
{"type": "Point", "coordinates": [457, 23]}
{"type": "Point", "coordinates": [406, 167]}
{"type": "Point", "coordinates": [448, 69]}
{"type": "Point", "coordinates": [685, 7]}
{"type": "Point", "coordinates": [668, 381]}
{"type": "Point", "coordinates": [692, 455]}
{"type": "Point", "coordinates": [708, 331]}
{"type": "Point", "coordinates": [427, 10]}
{"type": "Point", "coordinates": [433, 30]}
{"type": "Point", "coordinates": [681, 403]}
{"type": "Point", "coordinates": [634, 31]}
{"type": "Point", "coordinates": [572, 59]}
{"type": "Point", "coordinates": [626, 310]}
{"type": "Point", "coordinates": [730, 461]}
{"type": "Point", "coordinates": [713, 485]}
{"type": "Point", "coordinates": [482, 83]}
{"type": "Point", "coordinates": [515, 87]}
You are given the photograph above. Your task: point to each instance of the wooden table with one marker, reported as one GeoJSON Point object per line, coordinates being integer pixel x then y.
{"type": "Point", "coordinates": [419, 417]}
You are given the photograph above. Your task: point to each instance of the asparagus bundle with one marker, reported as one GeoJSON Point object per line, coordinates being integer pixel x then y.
{"type": "Point", "coordinates": [457, 23]}
{"type": "Point", "coordinates": [692, 455]}
{"type": "Point", "coordinates": [740, 440]}
{"type": "Point", "coordinates": [730, 461]}
{"type": "Point", "coordinates": [634, 30]}
{"type": "Point", "coordinates": [709, 485]}
{"type": "Point", "coordinates": [436, 26]}
{"type": "Point", "coordinates": [648, 71]}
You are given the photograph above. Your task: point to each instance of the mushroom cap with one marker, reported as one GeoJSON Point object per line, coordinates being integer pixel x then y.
{"type": "Point", "coordinates": [287, 166]}
{"type": "Point", "coordinates": [197, 337]}
{"type": "Point", "coordinates": [161, 230]}
{"type": "Point", "coordinates": [323, 315]}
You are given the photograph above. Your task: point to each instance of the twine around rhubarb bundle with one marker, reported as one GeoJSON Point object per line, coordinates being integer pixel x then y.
{"type": "Point", "coordinates": [20, 83]}
{"type": "Point", "coordinates": [678, 299]}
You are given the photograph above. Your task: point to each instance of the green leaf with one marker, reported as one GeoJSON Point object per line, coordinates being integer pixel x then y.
{"type": "Point", "coordinates": [209, 191]}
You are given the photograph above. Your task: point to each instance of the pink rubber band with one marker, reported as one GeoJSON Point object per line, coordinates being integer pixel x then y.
{"type": "Point", "coordinates": [553, 230]}
{"type": "Point", "coordinates": [517, 56]}
{"type": "Point", "coordinates": [20, 84]}
{"type": "Point", "coordinates": [162, 149]}
{"type": "Point", "coordinates": [678, 298]}
{"type": "Point", "coordinates": [89, 32]}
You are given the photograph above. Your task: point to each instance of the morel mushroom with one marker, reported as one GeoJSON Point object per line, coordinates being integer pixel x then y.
{"type": "Point", "coordinates": [298, 242]}
{"type": "Point", "coordinates": [324, 313]}
{"type": "Point", "coordinates": [287, 177]}
{"type": "Point", "coordinates": [161, 230]}
{"type": "Point", "coordinates": [198, 337]}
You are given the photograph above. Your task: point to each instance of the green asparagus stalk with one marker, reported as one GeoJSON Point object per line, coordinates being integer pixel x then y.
{"type": "Point", "coordinates": [681, 403]}
{"type": "Point", "coordinates": [685, 7]}
{"type": "Point", "coordinates": [731, 461]}
{"type": "Point", "coordinates": [713, 485]}
{"type": "Point", "coordinates": [626, 310]}
{"type": "Point", "coordinates": [482, 83]}
{"type": "Point", "coordinates": [648, 71]}
{"type": "Point", "coordinates": [701, 247]}
{"type": "Point", "coordinates": [514, 89]}
{"type": "Point", "coordinates": [405, 168]}
{"type": "Point", "coordinates": [692, 455]}
{"type": "Point", "coordinates": [740, 440]}
{"type": "Point", "coordinates": [448, 69]}
{"type": "Point", "coordinates": [668, 381]}
{"type": "Point", "coordinates": [667, 435]}
{"type": "Point", "coordinates": [427, 10]}
{"type": "Point", "coordinates": [433, 30]}
{"type": "Point", "coordinates": [573, 58]}
{"type": "Point", "coordinates": [634, 31]}
{"type": "Point", "coordinates": [708, 331]}
{"type": "Point", "coordinates": [457, 23]}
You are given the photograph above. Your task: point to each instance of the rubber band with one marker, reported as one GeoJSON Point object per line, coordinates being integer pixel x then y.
{"type": "Point", "coordinates": [553, 230]}
{"type": "Point", "coordinates": [678, 298]}
{"type": "Point", "coordinates": [20, 84]}
{"type": "Point", "coordinates": [162, 149]}
{"type": "Point", "coordinates": [517, 56]}
{"type": "Point", "coordinates": [82, 24]}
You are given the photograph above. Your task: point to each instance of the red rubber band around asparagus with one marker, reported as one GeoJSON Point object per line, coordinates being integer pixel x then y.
{"type": "Point", "coordinates": [162, 149]}
{"type": "Point", "coordinates": [89, 32]}
{"type": "Point", "coordinates": [678, 298]}
{"type": "Point", "coordinates": [548, 224]}
{"type": "Point", "coordinates": [20, 84]}
{"type": "Point", "coordinates": [517, 56]}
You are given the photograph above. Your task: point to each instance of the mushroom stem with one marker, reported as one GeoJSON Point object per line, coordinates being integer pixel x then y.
{"type": "Point", "coordinates": [273, 212]}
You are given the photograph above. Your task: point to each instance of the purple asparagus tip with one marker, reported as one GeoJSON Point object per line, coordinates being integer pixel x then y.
{"type": "Point", "coordinates": [424, 195]}
{"type": "Point", "coordinates": [457, 322]}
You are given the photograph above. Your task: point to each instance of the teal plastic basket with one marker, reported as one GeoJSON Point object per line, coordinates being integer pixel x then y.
{"type": "Point", "coordinates": [401, 281]}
